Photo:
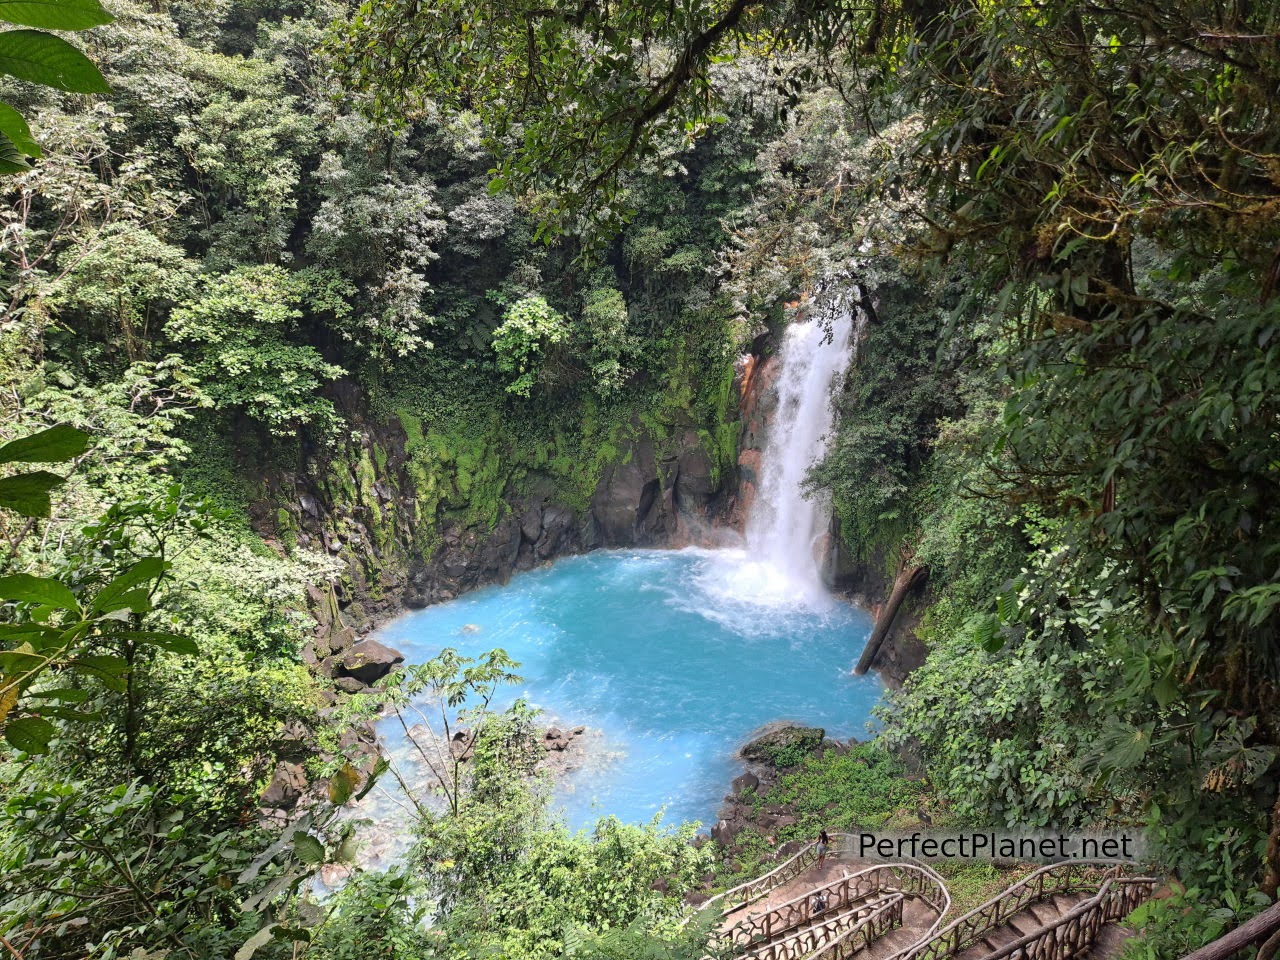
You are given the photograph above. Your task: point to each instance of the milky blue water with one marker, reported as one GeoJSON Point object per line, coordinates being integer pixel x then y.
{"type": "Point", "coordinates": [674, 657]}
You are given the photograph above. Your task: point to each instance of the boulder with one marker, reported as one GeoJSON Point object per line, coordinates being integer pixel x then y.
{"type": "Point", "coordinates": [725, 830]}
{"type": "Point", "coordinates": [747, 782]}
{"type": "Point", "coordinates": [368, 661]}
{"type": "Point", "coordinates": [286, 786]}
{"type": "Point", "coordinates": [531, 523]}
{"type": "Point", "coordinates": [783, 746]}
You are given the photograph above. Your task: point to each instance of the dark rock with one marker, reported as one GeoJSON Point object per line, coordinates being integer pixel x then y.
{"type": "Point", "coordinates": [287, 784]}
{"type": "Point", "coordinates": [531, 524]}
{"type": "Point", "coordinates": [350, 685]}
{"type": "Point", "coordinates": [725, 830]}
{"type": "Point", "coordinates": [783, 746]}
{"type": "Point", "coordinates": [553, 733]}
{"type": "Point", "coordinates": [274, 819]}
{"type": "Point", "coordinates": [731, 811]}
{"type": "Point", "coordinates": [748, 781]}
{"type": "Point", "coordinates": [694, 486]}
{"type": "Point", "coordinates": [369, 661]}
{"type": "Point", "coordinates": [341, 640]}
{"type": "Point", "coordinates": [294, 736]}
{"type": "Point", "coordinates": [556, 521]}
{"type": "Point", "coordinates": [577, 731]}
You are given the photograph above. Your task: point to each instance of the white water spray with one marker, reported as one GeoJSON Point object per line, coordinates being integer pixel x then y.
{"type": "Point", "coordinates": [786, 526]}
{"type": "Point", "coordinates": [782, 563]}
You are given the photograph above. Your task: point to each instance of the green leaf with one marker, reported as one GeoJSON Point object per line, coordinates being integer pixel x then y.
{"type": "Point", "coordinates": [45, 59]}
{"type": "Point", "coordinates": [108, 669]}
{"type": "Point", "coordinates": [63, 695]}
{"type": "Point", "coordinates": [19, 135]}
{"type": "Point", "coordinates": [307, 848]}
{"type": "Point", "coordinates": [987, 633]}
{"type": "Point", "coordinates": [57, 444]}
{"type": "Point", "coordinates": [133, 601]}
{"type": "Point", "coordinates": [379, 768]}
{"type": "Point", "coordinates": [29, 734]}
{"type": "Point", "coordinates": [55, 14]}
{"type": "Point", "coordinates": [1127, 746]}
{"type": "Point", "coordinates": [27, 494]}
{"type": "Point", "coordinates": [24, 588]}
{"type": "Point", "coordinates": [172, 642]}
{"type": "Point", "coordinates": [11, 158]}
{"type": "Point", "coordinates": [115, 594]}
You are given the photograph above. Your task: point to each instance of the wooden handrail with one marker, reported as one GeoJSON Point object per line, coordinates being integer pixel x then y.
{"type": "Point", "coordinates": [1075, 930]}
{"type": "Point", "coordinates": [1047, 881]}
{"type": "Point", "coordinates": [912, 880]}
{"type": "Point", "coordinates": [737, 897]}
{"type": "Point", "coordinates": [824, 939]}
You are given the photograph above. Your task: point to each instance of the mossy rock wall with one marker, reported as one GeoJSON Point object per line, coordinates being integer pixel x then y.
{"type": "Point", "coordinates": [421, 506]}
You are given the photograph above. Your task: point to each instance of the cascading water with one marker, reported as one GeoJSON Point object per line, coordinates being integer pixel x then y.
{"type": "Point", "coordinates": [780, 564]}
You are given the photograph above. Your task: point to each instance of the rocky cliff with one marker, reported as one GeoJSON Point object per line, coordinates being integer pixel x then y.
{"type": "Point", "coordinates": [417, 511]}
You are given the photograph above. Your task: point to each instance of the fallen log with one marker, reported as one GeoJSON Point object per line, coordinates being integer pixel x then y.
{"type": "Point", "coordinates": [1264, 925]}
{"type": "Point", "coordinates": [907, 580]}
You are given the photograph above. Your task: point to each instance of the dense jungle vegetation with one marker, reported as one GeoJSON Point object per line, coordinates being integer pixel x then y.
{"type": "Point", "coordinates": [273, 240]}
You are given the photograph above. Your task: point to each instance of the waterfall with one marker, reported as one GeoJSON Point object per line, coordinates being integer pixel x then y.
{"type": "Point", "coordinates": [785, 526]}
{"type": "Point", "coordinates": [781, 564]}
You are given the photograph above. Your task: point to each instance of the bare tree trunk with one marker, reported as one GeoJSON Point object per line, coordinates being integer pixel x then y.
{"type": "Point", "coordinates": [1241, 937]}
{"type": "Point", "coordinates": [907, 580]}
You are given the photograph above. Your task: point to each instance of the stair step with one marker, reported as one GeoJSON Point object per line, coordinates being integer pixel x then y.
{"type": "Point", "coordinates": [1000, 936]}
{"type": "Point", "coordinates": [1044, 913]}
{"type": "Point", "coordinates": [1023, 923]}
{"type": "Point", "coordinates": [1109, 942]}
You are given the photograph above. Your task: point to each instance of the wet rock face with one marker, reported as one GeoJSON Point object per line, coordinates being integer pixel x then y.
{"type": "Point", "coordinates": [758, 399]}
{"type": "Point", "coordinates": [639, 501]}
{"type": "Point", "coordinates": [632, 506]}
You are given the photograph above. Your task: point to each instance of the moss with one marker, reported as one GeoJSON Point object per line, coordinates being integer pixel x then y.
{"type": "Point", "coordinates": [286, 529]}
{"type": "Point", "coordinates": [366, 479]}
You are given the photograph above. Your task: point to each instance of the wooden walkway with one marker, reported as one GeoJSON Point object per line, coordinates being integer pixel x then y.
{"type": "Point", "coordinates": [855, 908]}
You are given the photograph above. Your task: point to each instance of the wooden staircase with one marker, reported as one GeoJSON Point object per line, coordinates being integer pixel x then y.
{"type": "Point", "coordinates": [896, 912]}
